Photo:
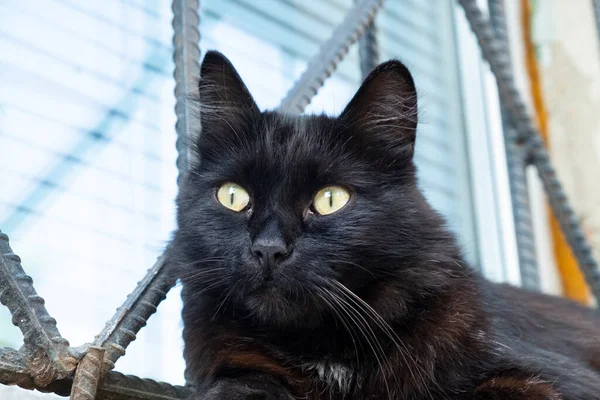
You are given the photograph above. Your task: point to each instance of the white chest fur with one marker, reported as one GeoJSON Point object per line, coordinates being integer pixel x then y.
{"type": "Point", "coordinates": [335, 375]}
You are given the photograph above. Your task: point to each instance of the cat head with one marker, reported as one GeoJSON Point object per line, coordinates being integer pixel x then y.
{"type": "Point", "coordinates": [279, 210]}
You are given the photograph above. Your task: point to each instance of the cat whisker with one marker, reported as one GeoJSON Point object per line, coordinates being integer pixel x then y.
{"type": "Point", "coordinates": [368, 334]}
{"type": "Point", "coordinates": [224, 300]}
{"type": "Point", "coordinates": [196, 295]}
{"type": "Point", "coordinates": [202, 276]}
{"type": "Point", "coordinates": [354, 265]}
{"type": "Point", "coordinates": [201, 272]}
{"type": "Point", "coordinates": [388, 330]}
{"type": "Point", "coordinates": [346, 325]}
{"type": "Point", "coordinates": [383, 327]}
{"type": "Point", "coordinates": [379, 272]}
{"type": "Point", "coordinates": [203, 260]}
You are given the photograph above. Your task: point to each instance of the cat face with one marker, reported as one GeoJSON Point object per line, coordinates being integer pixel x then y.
{"type": "Point", "coordinates": [279, 210]}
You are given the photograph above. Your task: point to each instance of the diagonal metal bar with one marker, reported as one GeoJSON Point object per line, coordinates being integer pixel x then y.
{"type": "Point", "coordinates": [134, 313]}
{"type": "Point", "coordinates": [494, 51]}
{"type": "Point", "coordinates": [186, 55]}
{"type": "Point", "coordinates": [18, 294]}
{"type": "Point", "coordinates": [14, 371]}
{"type": "Point", "coordinates": [88, 375]}
{"type": "Point", "coordinates": [516, 160]}
{"type": "Point", "coordinates": [150, 291]}
{"type": "Point", "coordinates": [48, 352]}
{"type": "Point", "coordinates": [516, 164]}
{"type": "Point", "coordinates": [322, 65]}
{"type": "Point", "coordinates": [368, 49]}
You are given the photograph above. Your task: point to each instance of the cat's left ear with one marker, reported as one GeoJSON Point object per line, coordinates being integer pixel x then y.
{"type": "Point", "coordinates": [383, 113]}
{"type": "Point", "coordinates": [225, 101]}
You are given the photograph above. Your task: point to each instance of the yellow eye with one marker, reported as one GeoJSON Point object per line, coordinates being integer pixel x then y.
{"type": "Point", "coordinates": [330, 199]}
{"type": "Point", "coordinates": [233, 196]}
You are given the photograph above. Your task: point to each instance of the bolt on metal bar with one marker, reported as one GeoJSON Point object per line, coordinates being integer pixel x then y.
{"type": "Point", "coordinates": [368, 49]}
{"type": "Point", "coordinates": [494, 51]}
{"type": "Point", "coordinates": [88, 375]}
{"type": "Point", "coordinates": [48, 352]}
{"type": "Point", "coordinates": [322, 65]}
{"type": "Point", "coordinates": [515, 160]}
{"type": "Point", "coordinates": [186, 55]}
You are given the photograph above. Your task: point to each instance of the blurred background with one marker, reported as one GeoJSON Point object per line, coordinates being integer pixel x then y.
{"type": "Point", "coordinates": [87, 139]}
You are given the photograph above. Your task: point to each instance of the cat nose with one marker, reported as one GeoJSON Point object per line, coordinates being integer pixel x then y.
{"type": "Point", "coordinates": [270, 251]}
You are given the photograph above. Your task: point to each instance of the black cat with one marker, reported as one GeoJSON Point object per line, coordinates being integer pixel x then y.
{"type": "Point", "coordinates": [313, 267]}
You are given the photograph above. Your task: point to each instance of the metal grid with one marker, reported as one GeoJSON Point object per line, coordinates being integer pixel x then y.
{"type": "Point", "coordinates": [48, 363]}
{"type": "Point", "coordinates": [516, 161]}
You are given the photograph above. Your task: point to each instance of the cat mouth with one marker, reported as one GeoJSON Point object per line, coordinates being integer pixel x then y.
{"type": "Point", "coordinates": [268, 290]}
{"type": "Point", "coordinates": [270, 293]}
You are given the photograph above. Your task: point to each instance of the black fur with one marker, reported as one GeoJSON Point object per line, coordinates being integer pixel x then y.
{"type": "Point", "coordinates": [374, 301]}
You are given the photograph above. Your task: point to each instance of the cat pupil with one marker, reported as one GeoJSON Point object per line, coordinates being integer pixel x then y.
{"type": "Point", "coordinates": [330, 195]}
{"type": "Point", "coordinates": [231, 195]}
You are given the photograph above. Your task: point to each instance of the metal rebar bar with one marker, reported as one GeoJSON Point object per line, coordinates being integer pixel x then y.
{"type": "Point", "coordinates": [515, 160]}
{"type": "Point", "coordinates": [186, 55]}
{"type": "Point", "coordinates": [368, 49]}
{"type": "Point", "coordinates": [14, 370]}
{"type": "Point", "coordinates": [322, 65]}
{"type": "Point", "coordinates": [516, 165]}
{"type": "Point", "coordinates": [494, 51]}
{"type": "Point", "coordinates": [150, 291]}
{"type": "Point", "coordinates": [88, 375]}
{"type": "Point", "coordinates": [127, 387]}
{"type": "Point", "coordinates": [48, 351]}
{"type": "Point", "coordinates": [134, 313]}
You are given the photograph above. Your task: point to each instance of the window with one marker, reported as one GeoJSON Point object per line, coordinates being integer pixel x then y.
{"type": "Point", "coordinates": [87, 137]}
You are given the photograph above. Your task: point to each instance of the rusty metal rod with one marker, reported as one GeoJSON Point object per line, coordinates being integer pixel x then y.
{"type": "Point", "coordinates": [186, 55]}
{"type": "Point", "coordinates": [125, 387]}
{"type": "Point", "coordinates": [152, 290]}
{"type": "Point", "coordinates": [88, 375]}
{"type": "Point", "coordinates": [516, 162]}
{"type": "Point", "coordinates": [47, 351]}
{"type": "Point", "coordinates": [495, 52]}
{"type": "Point", "coordinates": [322, 65]}
{"type": "Point", "coordinates": [134, 313]}
{"type": "Point", "coordinates": [368, 49]}
{"type": "Point", "coordinates": [15, 371]}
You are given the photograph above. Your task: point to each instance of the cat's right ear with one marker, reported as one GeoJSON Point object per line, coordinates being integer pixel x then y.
{"type": "Point", "coordinates": [225, 102]}
{"type": "Point", "coordinates": [383, 112]}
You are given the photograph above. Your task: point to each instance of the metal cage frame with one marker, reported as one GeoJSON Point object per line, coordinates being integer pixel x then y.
{"type": "Point", "coordinates": [48, 363]}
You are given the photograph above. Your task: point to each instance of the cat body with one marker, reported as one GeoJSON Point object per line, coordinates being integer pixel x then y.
{"type": "Point", "coordinates": [314, 268]}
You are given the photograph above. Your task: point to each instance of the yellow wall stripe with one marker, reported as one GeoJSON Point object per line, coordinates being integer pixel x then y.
{"type": "Point", "coordinates": [573, 282]}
